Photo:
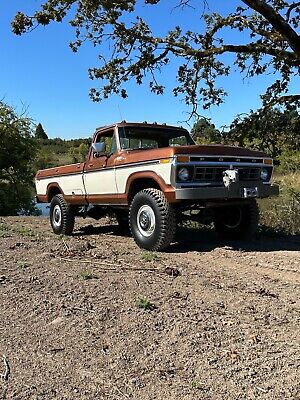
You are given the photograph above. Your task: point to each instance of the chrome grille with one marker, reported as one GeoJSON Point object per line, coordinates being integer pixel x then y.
{"type": "Point", "coordinates": [213, 174]}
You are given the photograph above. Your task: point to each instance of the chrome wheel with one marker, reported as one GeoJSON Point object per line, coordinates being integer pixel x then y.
{"type": "Point", "coordinates": [57, 216]}
{"type": "Point", "coordinates": [62, 216]}
{"type": "Point", "coordinates": [146, 220]}
{"type": "Point", "coordinates": [152, 220]}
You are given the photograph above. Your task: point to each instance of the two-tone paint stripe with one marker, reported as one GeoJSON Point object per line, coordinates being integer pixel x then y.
{"type": "Point", "coordinates": [102, 169]}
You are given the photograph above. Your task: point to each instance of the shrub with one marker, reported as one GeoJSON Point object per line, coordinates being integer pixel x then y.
{"type": "Point", "coordinates": [17, 153]}
{"type": "Point", "coordinates": [144, 303]}
{"type": "Point", "coordinates": [289, 162]}
{"type": "Point", "coordinates": [282, 214]}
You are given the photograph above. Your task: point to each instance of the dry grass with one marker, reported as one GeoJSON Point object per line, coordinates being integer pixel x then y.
{"type": "Point", "coordinates": [288, 180]}
{"type": "Point", "coordinates": [282, 214]}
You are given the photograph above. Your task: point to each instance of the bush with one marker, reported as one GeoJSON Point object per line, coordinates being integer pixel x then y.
{"type": "Point", "coordinates": [289, 162]}
{"type": "Point", "coordinates": [17, 153]}
{"type": "Point", "coordinates": [283, 213]}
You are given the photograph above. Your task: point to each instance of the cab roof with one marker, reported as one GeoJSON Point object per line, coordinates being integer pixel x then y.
{"type": "Point", "coordinates": [139, 125]}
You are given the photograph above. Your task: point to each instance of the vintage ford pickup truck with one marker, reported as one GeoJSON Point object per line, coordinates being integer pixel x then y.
{"type": "Point", "coordinates": [151, 177]}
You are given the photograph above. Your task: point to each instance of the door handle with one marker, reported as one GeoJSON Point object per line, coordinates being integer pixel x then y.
{"type": "Point", "coordinates": [91, 165]}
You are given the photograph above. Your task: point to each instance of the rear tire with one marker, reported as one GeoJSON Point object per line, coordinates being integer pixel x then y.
{"type": "Point", "coordinates": [152, 220]}
{"type": "Point", "coordinates": [62, 218]}
{"type": "Point", "coordinates": [238, 221]}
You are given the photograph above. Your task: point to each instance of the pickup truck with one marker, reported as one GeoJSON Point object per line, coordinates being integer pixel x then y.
{"type": "Point", "coordinates": [152, 177]}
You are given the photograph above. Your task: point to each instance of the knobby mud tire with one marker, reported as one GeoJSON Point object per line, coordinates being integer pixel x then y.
{"type": "Point", "coordinates": [245, 229]}
{"type": "Point", "coordinates": [165, 221]}
{"type": "Point", "coordinates": [66, 225]}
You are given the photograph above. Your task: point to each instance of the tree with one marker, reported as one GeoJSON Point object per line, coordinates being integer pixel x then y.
{"type": "Point", "coordinates": [264, 40]}
{"type": "Point", "coordinates": [40, 133]}
{"type": "Point", "coordinates": [17, 153]}
{"type": "Point", "coordinates": [204, 132]}
{"type": "Point", "coordinates": [79, 154]}
{"type": "Point", "coordinates": [271, 130]}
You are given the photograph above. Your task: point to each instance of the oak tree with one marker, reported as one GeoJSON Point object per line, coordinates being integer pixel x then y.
{"type": "Point", "coordinates": [264, 40]}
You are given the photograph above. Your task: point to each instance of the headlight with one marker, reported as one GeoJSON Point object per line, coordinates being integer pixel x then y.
{"type": "Point", "coordinates": [264, 174]}
{"type": "Point", "coordinates": [183, 174]}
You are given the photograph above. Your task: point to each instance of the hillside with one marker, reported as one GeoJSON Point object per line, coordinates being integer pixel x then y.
{"type": "Point", "coordinates": [54, 152]}
{"type": "Point", "coordinates": [94, 317]}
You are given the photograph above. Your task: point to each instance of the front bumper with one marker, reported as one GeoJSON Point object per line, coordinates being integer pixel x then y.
{"type": "Point", "coordinates": [235, 190]}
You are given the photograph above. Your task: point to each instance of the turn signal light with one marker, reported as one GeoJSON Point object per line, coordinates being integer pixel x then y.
{"type": "Point", "coordinates": [183, 159]}
{"type": "Point", "coordinates": [164, 160]}
{"type": "Point", "coordinates": [268, 161]}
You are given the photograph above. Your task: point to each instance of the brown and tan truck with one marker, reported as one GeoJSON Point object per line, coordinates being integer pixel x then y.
{"type": "Point", "coordinates": [151, 177]}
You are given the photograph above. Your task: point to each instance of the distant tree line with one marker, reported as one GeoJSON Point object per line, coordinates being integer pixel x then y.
{"type": "Point", "coordinates": [54, 152]}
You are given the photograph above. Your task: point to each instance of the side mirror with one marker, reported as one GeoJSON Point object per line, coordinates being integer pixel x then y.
{"type": "Point", "coordinates": [98, 148]}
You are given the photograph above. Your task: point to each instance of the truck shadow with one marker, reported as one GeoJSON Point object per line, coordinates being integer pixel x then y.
{"type": "Point", "coordinates": [205, 240]}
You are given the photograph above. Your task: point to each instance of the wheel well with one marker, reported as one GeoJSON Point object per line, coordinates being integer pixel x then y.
{"type": "Point", "coordinates": [53, 192]}
{"type": "Point", "coordinates": [140, 184]}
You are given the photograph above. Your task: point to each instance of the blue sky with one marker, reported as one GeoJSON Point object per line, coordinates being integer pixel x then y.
{"type": "Point", "coordinates": [39, 72]}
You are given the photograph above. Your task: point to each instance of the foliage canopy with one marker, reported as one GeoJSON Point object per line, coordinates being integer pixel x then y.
{"type": "Point", "coordinates": [265, 32]}
{"type": "Point", "coordinates": [271, 130]}
{"type": "Point", "coordinates": [17, 153]}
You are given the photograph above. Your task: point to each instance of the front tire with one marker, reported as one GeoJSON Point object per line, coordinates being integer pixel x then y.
{"type": "Point", "coordinates": [238, 221]}
{"type": "Point", "coordinates": [152, 220]}
{"type": "Point", "coordinates": [62, 218]}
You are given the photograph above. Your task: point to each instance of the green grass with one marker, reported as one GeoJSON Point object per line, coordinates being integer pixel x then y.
{"type": "Point", "coordinates": [3, 227]}
{"type": "Point", "coordinates": [24, 231]}
{"type": "Point", "coordinates": [198, 385]}
{"type": "Point", "coordinates": [144, 303]}
{"type": "Point", "coordinates": [4, 230]}
{"type": "Point", "coordinates": [86, 275]}
{"type": "Point", "coordinates": [148, 256]}
{"type": "Point", "coordinates": [23, 265]}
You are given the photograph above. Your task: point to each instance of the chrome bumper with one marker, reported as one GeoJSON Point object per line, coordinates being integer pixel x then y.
{"type": "Point", "coordinates": [235, 190]}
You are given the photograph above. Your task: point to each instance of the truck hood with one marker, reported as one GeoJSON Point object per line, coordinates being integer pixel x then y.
{"type": "Point", "coordinates": [201, 150]}
{"type": "Point", "coordinates": [217, 150]}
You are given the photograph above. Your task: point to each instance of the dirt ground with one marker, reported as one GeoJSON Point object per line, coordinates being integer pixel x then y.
{"type": "Point", "coordinates": [92, 316]}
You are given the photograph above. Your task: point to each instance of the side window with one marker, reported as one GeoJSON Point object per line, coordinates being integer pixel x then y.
{"type": "Point", "coordinates": [178, 141]}
{"type": "Point", "coordinates": [113, 146]}
{"type": "Point", "coordinates": [136, 141]}
{"type": "Point", "coordinates": [110, 142]}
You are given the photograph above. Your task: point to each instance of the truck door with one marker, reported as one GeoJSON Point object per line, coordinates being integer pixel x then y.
{"type": "Point", "coordinates": [99, 173]}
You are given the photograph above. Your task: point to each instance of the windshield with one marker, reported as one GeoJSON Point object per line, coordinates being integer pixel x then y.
{"type": "Point", "coordinates": [133, 138]}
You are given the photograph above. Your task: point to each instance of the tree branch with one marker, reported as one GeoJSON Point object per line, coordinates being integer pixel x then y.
{"type": "Point", "coordinates": [250, 48]}
{"type": "Point", "coordinates": [291, 98]}
{"type": "Point", "coordinates": [290, 9]}
{"type": "Point", "coordinates": [278, 23]}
